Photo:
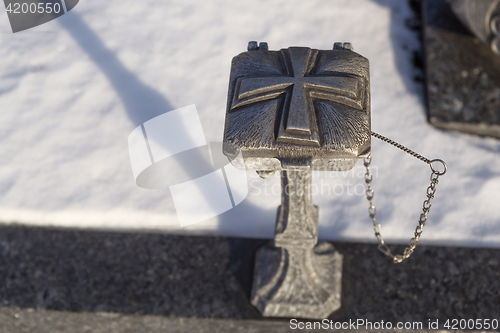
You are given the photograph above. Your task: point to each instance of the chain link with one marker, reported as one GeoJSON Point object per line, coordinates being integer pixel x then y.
{"type": "Point", "coordinates": [372, 210]}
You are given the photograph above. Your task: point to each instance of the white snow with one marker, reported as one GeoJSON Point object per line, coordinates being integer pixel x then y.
{"type": "Point", "coordinates": [72, 90]}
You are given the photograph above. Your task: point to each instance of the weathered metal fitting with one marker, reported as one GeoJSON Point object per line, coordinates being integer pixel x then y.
{"type": "Point", "coordinates": [252, 46]}
{"type": "Point", "coordinates": [297, 110]}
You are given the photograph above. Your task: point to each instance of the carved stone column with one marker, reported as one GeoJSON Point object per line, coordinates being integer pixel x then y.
{"type": "Point", "coordinates": [293, 277]}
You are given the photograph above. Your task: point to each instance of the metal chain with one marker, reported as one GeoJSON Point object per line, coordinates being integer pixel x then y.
{"type": "Point", "coordinates": [372, 210]}
{"type": "Point", "coordinates": [411, 152]}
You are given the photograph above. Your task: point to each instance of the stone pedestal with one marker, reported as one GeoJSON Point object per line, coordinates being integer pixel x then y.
{"type": "Point", "coordinates": [294, 276]}
{"type": "Point", "coordinates": [296, 110]}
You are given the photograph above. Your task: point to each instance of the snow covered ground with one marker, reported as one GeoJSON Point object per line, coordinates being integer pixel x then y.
{"type": "Point", "coordinates": [72, 90]}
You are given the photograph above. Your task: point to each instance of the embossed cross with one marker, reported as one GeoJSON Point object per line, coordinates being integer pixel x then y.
{"type": "Point", "coordinates": [296, 116]}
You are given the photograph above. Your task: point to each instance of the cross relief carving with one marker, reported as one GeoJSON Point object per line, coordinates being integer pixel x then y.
{"type": "Point", "coordinates": [299, 89]}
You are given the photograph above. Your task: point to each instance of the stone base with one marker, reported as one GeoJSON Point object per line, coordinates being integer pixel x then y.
{"type": "Point", "coordinates": [462, 75]}
{"type": "Point", "coordinates": [297, 282]}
